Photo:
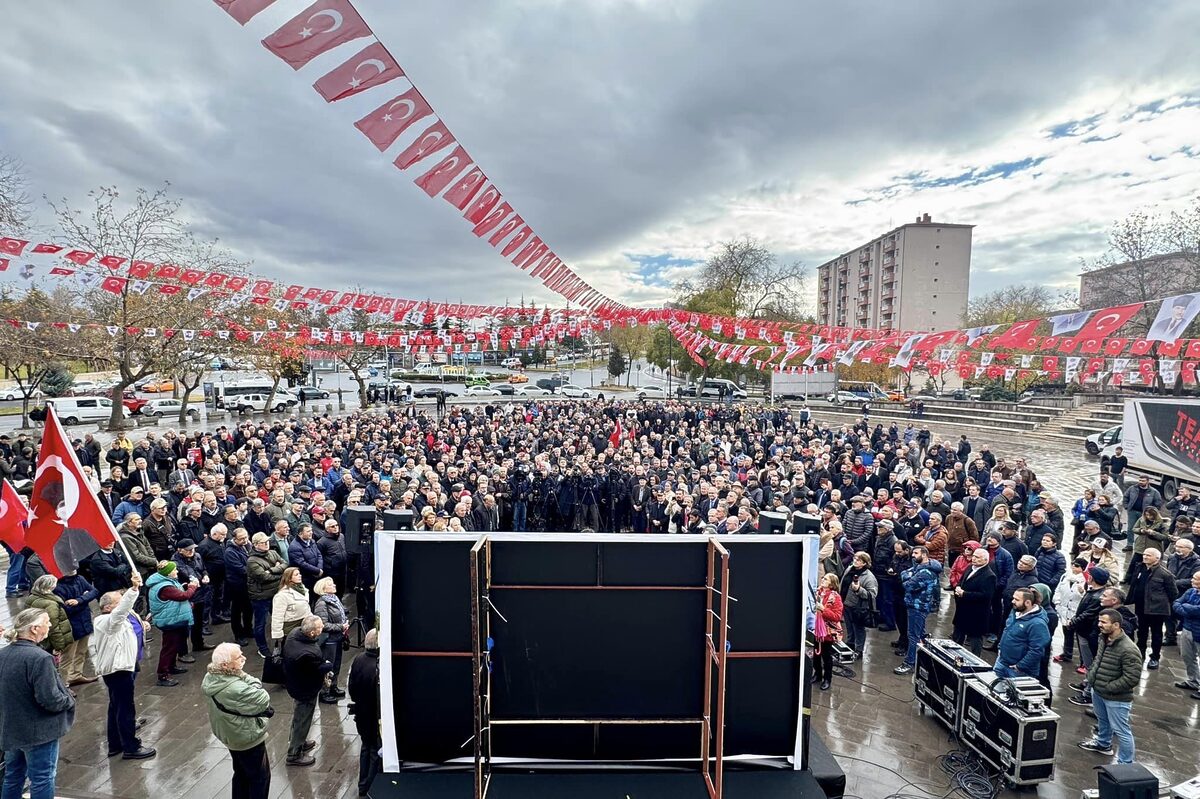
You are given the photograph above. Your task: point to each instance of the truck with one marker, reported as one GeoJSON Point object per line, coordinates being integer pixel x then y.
{"type": "Point", "coordinates": [1161, 439]}
{"type": "Point", "coordinates": [809, 385]}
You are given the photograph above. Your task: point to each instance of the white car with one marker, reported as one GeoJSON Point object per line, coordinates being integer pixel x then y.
{"type": "Point", "coordinates": [15, 393]}
{"type": "Point", "coordinates": [651, 392]}
{"type": "Point", "coordinates": [167, 407]}
{"type": "Point", "coordinates": [481, 391]}
{"type": "Point", "coordinates": [574, 391]}
{"type": "Point", "coordinates": [532, 391]}
{"type": "Point", "coordinates": [512, 363]}
{"type": "Point", "coordinates": [257, 402]}
{"type": "Point", "coordinates": [846, 398]}
{"type": "Point", "coordinates": [84, 387]}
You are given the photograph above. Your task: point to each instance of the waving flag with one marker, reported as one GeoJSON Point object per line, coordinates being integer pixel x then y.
{"type": "Point", "coordinates": [66, 523]}
{"type": "Point", "coordinates": [615, 439]}
{"type": "Point", "coordinates": [321, 27]}
{"type": "Point", "coordinates": [372, 66]}
{"type": "Point", "coordinates": [14, 517]}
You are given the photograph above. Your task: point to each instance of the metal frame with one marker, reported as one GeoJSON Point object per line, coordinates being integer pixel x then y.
{"type": "Point", "coordinates": [715, 655]}
{"type": "Point", "coordinates": [481, 631]}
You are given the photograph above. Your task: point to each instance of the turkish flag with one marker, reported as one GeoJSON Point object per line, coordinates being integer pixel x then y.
{"type": "Point", "coordinates": [14, 517]}
{"type": "Point", "coordinates": [517, 241]}
{"type": "Point", "coordinates": [494, 217]}
{"type": "Point", "coordinates": [373, 66]}
{"type": "Point", "coordinates": [66, 523]}
{"type": "Point", "coordinates": [614, 440]}
{"type": "Point", "coordinates": [215, 280]}
{"type": "Point", "coordinates": [465, 189]}
{"type": "Point", "coordinates": [385, 124]}
{"type": "Point", "coordinates": [48, 249]}
{"type": "Point", "coordinates": [444, 171]}
{"type": "Point", "coordinates": [169, 271]}
{"type": "Point", "coordinates": [435, 137]}
{"type": "Point", "coordinates": [191, 276]}
{"type": "Point", "coordinates": [1107, 321]}
{"type": "Point", "coordinates": [169, 288]}
{"type": "Point", "coordinates": [13, 246]}
{"type": "Point", "coordinates": [114, 285]}
{"type": "Point", "coordinates": [81, 257]}
{"type": "Point", "coordinates": [243, 10]}
{"type": "Point", "coordinates": [236, 283]}
{"type": "Point", "coordinates": [262, 287]}
{"type": "Point", "coordinates": [1016, 337]}
{"type": "Point", "coordinates": [112, 262]}
{"type": "Point", "coordinates": [320, 27]}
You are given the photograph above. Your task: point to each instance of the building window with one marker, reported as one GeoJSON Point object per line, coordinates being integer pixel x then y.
{"type": "Point", "coordinates": [937, 246]}
{"type": "Point", "coordinates": [935, 296]}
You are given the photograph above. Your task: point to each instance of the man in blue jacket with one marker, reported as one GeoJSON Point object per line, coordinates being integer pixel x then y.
{"type": "Point", "coordinates": [1187, 610]}
{"type": "Point", "coordinates": [1026, 637]}
{"type": "Point", "coordinates": [922, 596]}
{"type": "Point", "coordinates": [304, 554]}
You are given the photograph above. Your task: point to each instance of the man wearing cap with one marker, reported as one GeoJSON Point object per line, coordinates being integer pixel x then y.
{"type": "Point", "coordinates": [264, 569]}
{"type": "Point", "coordinates": [191, 567]}
{"type": "Point", "coordinates": [1083, 624]}
{"type": "Point", "coordinates": [134, 502]}
{"type": "Point", "coordinates": [1152, 591]}
{"type": "Point", "coordinates": [170, 607]}
{"type": "Point", "coordinates": [859, 525]}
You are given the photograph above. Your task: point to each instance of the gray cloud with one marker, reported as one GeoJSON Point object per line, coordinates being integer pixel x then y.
{"type": "Point", "coordinates": [604, 122]}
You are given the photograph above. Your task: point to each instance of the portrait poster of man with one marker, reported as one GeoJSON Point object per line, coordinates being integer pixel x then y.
{"type": "Point", "coordinates": [1174, 316]}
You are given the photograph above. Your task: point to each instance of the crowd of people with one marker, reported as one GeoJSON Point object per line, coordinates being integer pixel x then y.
{"type": "Point", "coordinates": [244, 525]}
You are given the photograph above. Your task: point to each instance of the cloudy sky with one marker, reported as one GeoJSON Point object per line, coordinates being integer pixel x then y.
{"type": "Point", "coordinates": [631, 134]}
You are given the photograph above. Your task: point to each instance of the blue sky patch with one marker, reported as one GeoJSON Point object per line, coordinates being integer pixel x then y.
{"type": "Point", "coordinates": [1075, 127]}
{"type": "Point", "coordinates": [652, 268]}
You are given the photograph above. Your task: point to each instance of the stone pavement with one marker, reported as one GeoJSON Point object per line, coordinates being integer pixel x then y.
{"type": "Point", "coordinates": [872, 724]}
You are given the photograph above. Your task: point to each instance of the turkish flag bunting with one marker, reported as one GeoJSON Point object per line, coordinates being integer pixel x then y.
{"type": "Point", "coordinates": [320, 27]}
{"type": "Point", "coordinates": [1016, 337]}
{"type": "Point", "coordinates": [169, 289]}
{"type": "Point", "coordinates": [14, 517]}
{"type": "Point", "coordinates": [13, 246]}
{"type": "Point", "coordinates": [215, 280]}
{"type": "Point", "coordinates": [141, 269]}
{"type": "Point", "coordinates": [81, 257]}
{"type": "Point", "coordinates": [1105, 322]}
{"type": "Point", "coordinates": [262, 287]}
{"type": "Point", "coordinates": [112, 262]}
{"type": "Point", "coordinates": [62, 270]}
{"type": "Point", "coordinates": [373, 66]}
{"type": "Point", "coordinates": [445, 171]}
{"type": "Point", "coordinates": [243, 10]}
{"type": "Point", "coordinates": [114, 285]}
{"type": "Point", "coordinates": [48, 249]}
{"type": "Point", "coordinates": [385, 124]}
{"type": "Point", "coordinates": [236, 283]}
{"type": "Point", "coordinates": [66, 523]}
{"type": "Point", "coordinates": [465, 189]}
{"type": "Point", "coordinates": [435, 137]}
{"type": "Point", "coordinates": [191, 276]}
{"type": "Point", "coordinates": [169, 271]}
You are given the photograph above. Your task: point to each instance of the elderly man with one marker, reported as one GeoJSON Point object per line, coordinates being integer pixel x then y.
{"type": "Point", "coordinates": [305, 669]}
{"type": "Point", "coordinates": [1187, 610]}
{"type": "Point", "coordinates": [364, 694]}
{"type": "Point", "coordinates": [36, 708]}
{"type": "Point", "coordinates": [1152, 591]}
{"type": "Point", "coordinates": [1182, 564]}
{"type": "Point", "coordinates": [264, 569]}
{"type": "Point", "coordinates": [305, 555]}
{"type": "Point", "coordinates": [120, 644]}
{"type": "Point", "coordinates": [238, 709]}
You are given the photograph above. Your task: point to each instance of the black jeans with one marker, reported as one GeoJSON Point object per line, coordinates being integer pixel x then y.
{"type": "Point", "coordinates": [251, 773]}
{"type": "Point", "coordinates": [122, 714]}
{"type": "Point", "coordinates": [1150, 626]}
{"type": "Point", "coordinates": [369, 761]}
{"type": "Point", "coordinates": [823, 662]}
{"type": "Point", "coordinates": [241, 615]}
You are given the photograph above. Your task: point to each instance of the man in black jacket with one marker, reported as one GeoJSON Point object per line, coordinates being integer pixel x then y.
{"type": "Point", "coordinates": [333, 554]}
{"type": "Point", "coordinates": [364, 694]}
{"type": "Point", "coordinates": [211, 550]}
{"type": "Point", "coordinates": [1152, 592]}
{"type": "Point", "coordinates": [110, 570]}
{"type": "Point", "coordinates": [236, 555]}
{"type": "Point", "coordinates": [304, 671]}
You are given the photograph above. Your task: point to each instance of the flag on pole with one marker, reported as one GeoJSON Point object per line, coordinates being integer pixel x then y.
{"type": "Point", "coordinates": [618, 431]}
{"type": "Point", "coordinates": [14, 517]}
{"type": "Point", "coordinates": [66, 522]}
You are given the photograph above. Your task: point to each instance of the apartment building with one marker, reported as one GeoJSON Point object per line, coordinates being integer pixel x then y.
{"type": "Point", "coordinates": [915, 277]}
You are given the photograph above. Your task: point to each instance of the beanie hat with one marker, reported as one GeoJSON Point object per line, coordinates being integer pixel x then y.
{"type": "Point", "coordinates": [1044, 590]}
{"type": "Point", "coordinates": [1099, 575]}
{"type": "Point", "coordinates": [184, 543]}
{"type": "Point", "coordinates": [167, 569]}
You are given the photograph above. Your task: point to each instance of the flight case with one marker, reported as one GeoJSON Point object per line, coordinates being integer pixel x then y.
{"type": "Point", "coordinates": [1017, 742]}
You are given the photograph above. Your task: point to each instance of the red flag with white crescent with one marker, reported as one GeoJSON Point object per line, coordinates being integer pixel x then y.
{"type": "Point", "coordinates": [435, 137]}
{"type": "Point", "coordinates": [14, 517]}
{"type": "Point", "coordinates": [1105, 322]}
{"type": "Point", "coordinates": [373, 66]}
{"type": "Point", "coordinates": [243, 10]}
{"type": "Point", "coordinates": [66, 522]}
{"type": "Point", "coordinates": [385, 124]}
{"type": "Point", "coordinates": [618, 431]}
{"type": "Point", "coordinates": [317, 29]}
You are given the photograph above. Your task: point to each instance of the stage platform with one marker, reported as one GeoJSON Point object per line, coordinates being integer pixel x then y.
{"type": "Point", "coordinates": [610, 784]}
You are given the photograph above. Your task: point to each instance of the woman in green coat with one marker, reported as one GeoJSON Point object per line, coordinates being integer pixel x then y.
{"type": "Point", "coordinates": [42, 596]}
{"type": "Point", "coordinates": [238, 709]}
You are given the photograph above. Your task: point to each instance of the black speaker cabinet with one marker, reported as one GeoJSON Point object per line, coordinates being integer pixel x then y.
{"type": "Point", "coordinates": [360, 528]}
{"type": "Point", "coordinates": [772, 523]}
{"type": "Point", "coordinates": [804, 524]}
{"type": "Point", "coordinates": [1126, 781]}
{"type": "Point", "coordinates": [398, 519]}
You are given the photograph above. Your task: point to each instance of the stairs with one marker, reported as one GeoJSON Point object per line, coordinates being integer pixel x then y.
{"type": "Point", "coordinates": [946, 419]}
{"type": "Point", "coordinates": [1079, 423]}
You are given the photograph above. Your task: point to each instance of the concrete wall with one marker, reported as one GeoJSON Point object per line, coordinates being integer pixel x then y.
{"type": "Point", "coordinates": [935, 277]}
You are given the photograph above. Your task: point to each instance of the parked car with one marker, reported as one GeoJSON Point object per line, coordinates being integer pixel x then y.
{"type": "Point", "coordinates": [966, 394]}
{"type": "Point", "coordinates": [533, 391]}
{"type": "Point", "coordinates": [481, 391]}
{"type": "Point", "coordinates": [1099, 441]}
{"type": "Point", "coordinates": [551, 384]}
{"type": "Point", "coordinates": [512, 363]}
{"type": "Point", "coordinates": [132, 401]}
{"type": "Point", "coordinates": [257, 402]}
{"type": "Point", "coordinates": [517, 377]}
{"type": "Point", "coordinates": [73, 410]}
{"type": "Point", "coordinates": [159, 386]}
{"type": "Point", "coordinates": [15, 393]}
{"type": "Point", "coordinates": [574, 391]}
{"type": "Point", "coordinates": [310, 393]}
{"type": "Point", "coordinates": [83, 387]}
{"type": "Point", "coordinates": [651, 392]}
{"type": "Point", "coordinates": [846, 398]}
{"type": "Point", "coordinates": [168, 407]}
{"type": "Point", "coordinates": [712, 388]}
{"type": "Point", "coordinates": [431, 392]}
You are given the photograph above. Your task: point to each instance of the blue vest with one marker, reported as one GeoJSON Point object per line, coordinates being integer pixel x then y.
{"type": "Point", "coordinates": [168, 613]}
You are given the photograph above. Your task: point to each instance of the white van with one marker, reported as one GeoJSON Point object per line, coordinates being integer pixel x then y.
{"type": "Point", "coordinates": [73, 410]}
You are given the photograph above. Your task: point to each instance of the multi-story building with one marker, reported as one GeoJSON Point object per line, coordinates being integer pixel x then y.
{"type": "Point", "coordinates": [916, 277]}
{"type": "Point", "coordinates": [1155, 277]}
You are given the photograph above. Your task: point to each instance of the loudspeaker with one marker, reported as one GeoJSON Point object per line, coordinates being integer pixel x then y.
{"type": "Point", "coordinates": [398, 519]}
{"type": "Point", "coordinates": [772, 523]}
{"type": "Point", "coordinates": [1126, 781]}
{"type": "Point", "coordinates": [360, 528]}
{"type": "Point", "coordinates": [805, 524]}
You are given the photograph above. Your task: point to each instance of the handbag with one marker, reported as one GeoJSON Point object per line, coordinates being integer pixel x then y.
{"type": "Point", "coordinates": [272, 673]}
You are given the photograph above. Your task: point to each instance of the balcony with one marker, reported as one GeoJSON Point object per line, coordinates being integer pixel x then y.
{"type": "Point", "coordinates": [864, 256]}
{"type": "Point", "coordinates": [889, 245]}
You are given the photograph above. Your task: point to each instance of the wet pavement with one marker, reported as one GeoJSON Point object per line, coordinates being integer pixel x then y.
{"type": "Point", "coordinates": [871, 722]}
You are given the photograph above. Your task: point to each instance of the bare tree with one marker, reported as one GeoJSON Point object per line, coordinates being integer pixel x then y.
{"type": "Point", "coordinates": [755, 283]}
{"type": "Point", "coordinates": [15, 202]}
{"type": "Point", "coordinates": [149, 228]}
{"type": "Point", "coordinates": [31, 349]}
